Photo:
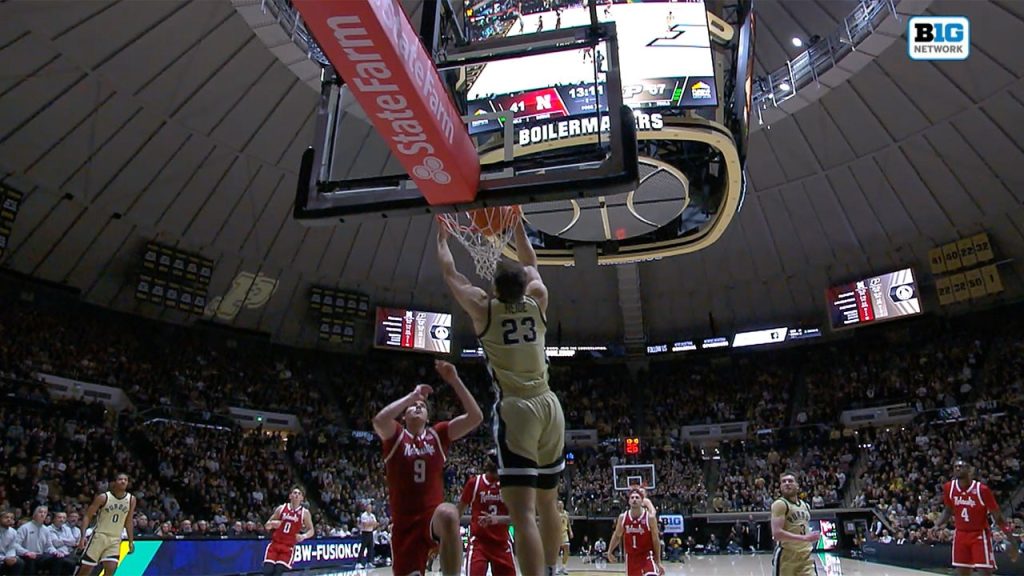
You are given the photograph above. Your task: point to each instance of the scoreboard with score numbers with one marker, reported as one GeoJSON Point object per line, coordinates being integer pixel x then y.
{"type": "Point", "coordinates": [631, 446]}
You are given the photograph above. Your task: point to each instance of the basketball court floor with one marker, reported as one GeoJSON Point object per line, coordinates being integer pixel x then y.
{"type": "Point", "coordinates": [759, 565]}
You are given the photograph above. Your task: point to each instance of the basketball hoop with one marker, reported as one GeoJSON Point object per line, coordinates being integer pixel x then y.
{"type": "Point", "coordinates": [484, 232]}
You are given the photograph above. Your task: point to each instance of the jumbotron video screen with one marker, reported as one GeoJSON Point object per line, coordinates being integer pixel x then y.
{"type": "Point", "coordinates": [413, 330]}
{"type": "Point", "coordinates": [885, 297]}
{"type": "Point", "coordinates": [665, 59]}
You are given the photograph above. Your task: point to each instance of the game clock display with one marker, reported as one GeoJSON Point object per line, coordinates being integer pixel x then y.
{"type": "Point", "coordinates": [631, 446]}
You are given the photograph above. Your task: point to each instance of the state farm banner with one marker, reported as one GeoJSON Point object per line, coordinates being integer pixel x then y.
{"type": "Point", "coordinates": [375, 49]}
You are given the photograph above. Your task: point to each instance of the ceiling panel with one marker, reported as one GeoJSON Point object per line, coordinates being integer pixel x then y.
{"type": "Point", "coordinates": [176, 116]}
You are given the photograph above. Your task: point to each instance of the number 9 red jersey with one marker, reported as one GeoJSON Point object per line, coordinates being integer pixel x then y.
{"type": "Point", "coordinates": [415, 469]}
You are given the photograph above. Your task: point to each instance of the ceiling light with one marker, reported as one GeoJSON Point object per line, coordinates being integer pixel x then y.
{"type": "Point", "coordinates": [784, 86]}
{"type": "Point", "coordinates": [797, 41]}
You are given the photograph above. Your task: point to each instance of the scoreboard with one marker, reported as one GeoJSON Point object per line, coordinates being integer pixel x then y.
{"type": "Point", "coordinates": [665, 63]}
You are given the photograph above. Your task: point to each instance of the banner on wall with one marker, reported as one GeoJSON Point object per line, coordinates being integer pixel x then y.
{"type": "Point", "coordinates": [229, 556]}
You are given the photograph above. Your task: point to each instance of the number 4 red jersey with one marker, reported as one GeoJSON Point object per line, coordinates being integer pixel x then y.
{"type": "Point", "coordinates": [971, 506]}
{"type": "Point", "coordinates": [484, 497]}
{"type": "Point", "coordinates": [414, 466]}
{"type": "Point", "coordinates": [290, 527]}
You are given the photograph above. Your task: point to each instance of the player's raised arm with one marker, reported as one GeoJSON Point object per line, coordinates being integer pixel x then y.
{"type": "Point", "coordinates": [384, 422]}
{"type": "Point", "coordinates": [472, 416]}
{"type": "Point", "coordinates": [535, 287]}
{"type": "Point", "coordinates": [472, 299]}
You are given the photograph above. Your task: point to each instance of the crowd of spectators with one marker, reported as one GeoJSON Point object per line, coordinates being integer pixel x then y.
{"type": "Point", "coordinates": [197, 474]}
{"type": "Point", "coordinates": [906, 467]}
{"type": "Point", "coordinates": [731, 389]}
{"type": "Point", "coordinates": [749, 475]}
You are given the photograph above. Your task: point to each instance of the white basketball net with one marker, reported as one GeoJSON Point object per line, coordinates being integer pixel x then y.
{"type": "Point", "coordinates": [485, 249]}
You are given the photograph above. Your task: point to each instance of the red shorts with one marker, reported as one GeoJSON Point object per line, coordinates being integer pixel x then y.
{"type": "Point", "coordinates": [498, 554]}
{"type": "Point", "coordinates": [278, 553]}
{"type": "Point", "coordinates": [973, 549]}
{"type": "Point", "coordinates": [641, 565]}
{"type": "Point", "coordinates": [411, 543]}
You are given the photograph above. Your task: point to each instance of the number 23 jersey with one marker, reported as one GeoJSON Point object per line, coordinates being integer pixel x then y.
{"type": "Point", "coordinates": [414, 466]}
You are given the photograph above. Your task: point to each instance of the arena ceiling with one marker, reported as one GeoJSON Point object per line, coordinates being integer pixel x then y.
{"type": "Point", "coordinates": [129, 121]}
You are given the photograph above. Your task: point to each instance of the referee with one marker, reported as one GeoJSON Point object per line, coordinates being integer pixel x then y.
{"type": "Point", "coordinates": [367, 524]}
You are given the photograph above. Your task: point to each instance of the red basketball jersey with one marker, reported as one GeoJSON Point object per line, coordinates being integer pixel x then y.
{"type": "Point", "coordinates": [415, 469]}
{"type": "Point", "coordinates": [636, 535]}
{"type": "Point", "coordinates": [291, 526]}
{"type": "Point", "coordinates": [970, 506]}
{"type": "Point", "coordinates": [484, 497]}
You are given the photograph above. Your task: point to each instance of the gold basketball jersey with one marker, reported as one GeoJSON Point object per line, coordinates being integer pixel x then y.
{"type": "Point", "coordinates": [110, 518]}
{"type": "Point", "coordinates": [797, 521]}
{"type": "Point", "coordinates": [513, 343]}
{"type": "Point", "coordinates": [564, 517]}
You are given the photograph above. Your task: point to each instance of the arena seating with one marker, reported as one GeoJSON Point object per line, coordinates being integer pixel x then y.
{"type": "Point", "coordinates": [197, 474]}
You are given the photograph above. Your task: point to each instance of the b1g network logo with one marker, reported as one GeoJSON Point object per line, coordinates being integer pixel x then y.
{"type": "Point", "coordinates": [939, 38]}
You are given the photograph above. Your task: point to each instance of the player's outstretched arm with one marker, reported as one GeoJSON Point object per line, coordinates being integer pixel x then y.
{"type": "Point", "coordinates": [614, 542]}
{"type": "Point", "coordinates": [1005, 527]}
{"type": "Point", "coordinates": [652, 524]}
{"type": "Point", "coordinates": [472, 299]}
{"type": "Point", "coordinates": [129, 525]}
{"type": "Point", "coordinates": [535, 287]}
{"type": "Point", "coordinates": [472, 415]}
{"type": "Point", "coordinates": [944, 517]}
{"type": "Point", "coordinates": [97, 502]}
{"type": "Point", "coordinates": [308, 531]}
{"type": "Point", "coordinates": [384, 422]}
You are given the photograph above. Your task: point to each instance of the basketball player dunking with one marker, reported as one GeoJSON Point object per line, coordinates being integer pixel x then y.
{"type": "Point", "coordinates": [414, 458]}
{"type": "Point", "coordinates": [291, 523]}
{"type": "Point", "coordinates": [528, 424]}
{"type": "Point", "coordinates": [489, 541]}
{"type": "Point", "coordinates": [971, 503]}
{"type": "Point", "coordinates": [637, 529]}
{"type": "Point", "coordinates": [791, 518]}
{"type": "Point", "coordinates": [114, 511]}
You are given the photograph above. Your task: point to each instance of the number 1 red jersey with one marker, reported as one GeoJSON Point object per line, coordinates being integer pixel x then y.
{"type": "Point", "coordinates": [290, 527]}
{"type": "Point", "coordinates": [414, 466]}
{"type": "Point", "coordinates": [484, 497]}
{"type": "Point", "coordinates": [970, 506]}
{"type": "Point", "coordinates": [636, 536]}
